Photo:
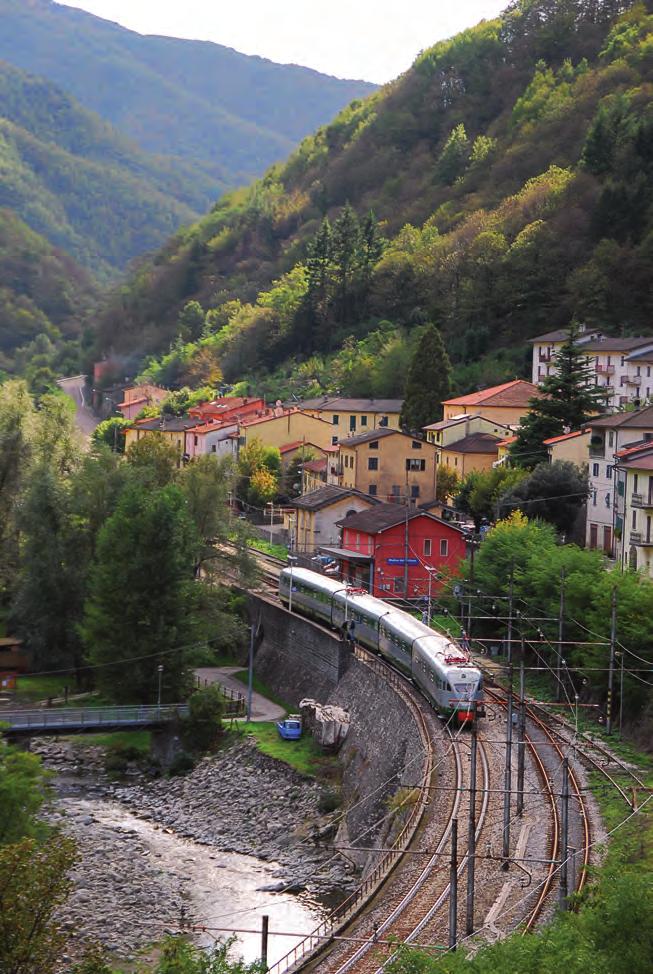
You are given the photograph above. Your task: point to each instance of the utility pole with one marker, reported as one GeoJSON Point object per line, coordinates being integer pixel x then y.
{"type": "Point", "coordinates": [564, 884]}
{"type": "Point", "coordinates": [471, 836]}
{"type": "Point", "coordinates": [471, 584]}
{"type": "Point", "coordinates": [510, 603]}
{"type": "Point", "coordinates": [453, 890]}
{"type": "Point", "coordinates": [521, 731]}
{"type": "Point", "coordinates": [507, 777]}
{"type": "Point", "coordinates": [406, 547]}
{"type": "Point", "coordinates": [265, 921]}
{"type": "Point", "coordinates": [561, 625]}
{"type": "Point", "coordinates": [613, 643]}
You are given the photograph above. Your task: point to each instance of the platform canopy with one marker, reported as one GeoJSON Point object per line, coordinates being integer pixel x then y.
{"type": "Point", "coordinates": [345, 554]}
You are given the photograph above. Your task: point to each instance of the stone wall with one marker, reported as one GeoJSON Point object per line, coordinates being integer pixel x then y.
{"type": "Point", "coordinates": [293, 656]}
{"type": "Point", "coordinates": [382, 752]}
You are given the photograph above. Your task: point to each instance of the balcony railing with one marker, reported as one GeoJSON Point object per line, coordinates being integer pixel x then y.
{"type": "Point", "coordinates": [635, 537]}
{"type": "Point", "coordinates": [637, 500]}
{"type": "Point", "coordinates": [633, 380]}
{"type": "Point", "coordinates": [605, 369]}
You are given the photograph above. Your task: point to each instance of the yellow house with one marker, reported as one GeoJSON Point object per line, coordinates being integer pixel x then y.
{"type": "Point", "coordinates": [634, 531]}
{"type": "Point", "coordinates": [352, 416]}
{"type": "Point", "coordinates": [171, 428]}
{"type": "Point", "coordinates": [449, 430]}
{"type": "Point", "coordinates": [478, 451]}
{"type": "Point", "coordinates": [390, 465]}
{"type": "Point", "coordinates": [506, 404]}
{"type": "Point", "coordinates": [318, 513]}
{"type": "Point", "coordinates": [283, 426]}
{"type": "Point", "coordinates": [574, 447]}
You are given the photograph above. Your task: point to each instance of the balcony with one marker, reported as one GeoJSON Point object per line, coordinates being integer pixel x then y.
{"type": "Point", "coordinates": [545, 357]}
{"type": "Point", "coordinates": [637, 538]}
{"type": "Point", "coordinates": [638, 500]}
{"type": "Point", "coordinates": [605, 369]}
{"type": "Point", "coordinates": [633, 380]}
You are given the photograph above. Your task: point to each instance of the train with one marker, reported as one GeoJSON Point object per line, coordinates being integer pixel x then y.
{"type": "Point", "coordinates": [444, 674]}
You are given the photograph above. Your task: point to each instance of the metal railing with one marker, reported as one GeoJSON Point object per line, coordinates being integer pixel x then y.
{"type": "Point", "coordinates": [348, 909]}
{"type": "Point", "coordinates": [75, 718]}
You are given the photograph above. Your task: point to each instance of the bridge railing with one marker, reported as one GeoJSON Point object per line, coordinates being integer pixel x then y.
{"type": "Point", "coordinates": [91, 716]}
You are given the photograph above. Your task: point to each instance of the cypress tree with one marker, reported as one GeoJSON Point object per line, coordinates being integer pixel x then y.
{"type": "Point", "coordinates": [428, 382]}
{"type": "Point", "coordinates": [569, 397]}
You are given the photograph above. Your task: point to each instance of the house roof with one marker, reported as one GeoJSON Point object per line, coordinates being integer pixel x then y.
{"type": "Point", "coordinates": [515, 393]}
{"type": "Point", "coordinates": [565, 436]}
{"type": "Point", "coordinates": [133, 402]}
{"type": "Point", "coordinates": [644, 462]}
{"type": "Point", "coordinates": [167, 424]}
{"type": "Point", "coordinates": [385, 516]}
{"type": "Point", "coordinates": [617, 344]}
{"type": "Point", "coordinates": [315, 500]}
{"type": "Point", "coordinates": [377, 434]}
{"type": "Point", "coordinates": [279, 414]}
{"type": "Point", "coordinates": [316, 466]}
{"type": "Point", "coordinates": [639, 419]}
{"type": "Point", "coordinates": [508, 440]}
{"type": "Point", "coordinates": [562, 334]}
{"type": "Point", "coordinates": [463, 418]}
{"type": "Point", "coordinates": [639, 446]}
{"type": "Point", "coordinates": [474, 443]}
{"type": "Point", "coordinates": [341, 404]}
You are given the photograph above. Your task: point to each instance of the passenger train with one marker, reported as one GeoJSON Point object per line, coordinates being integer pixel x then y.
{"type": "Point", "coordinates": [438, 667]}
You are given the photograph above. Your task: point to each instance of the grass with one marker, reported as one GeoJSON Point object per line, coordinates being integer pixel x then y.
{"type": "Point", "coordinates": [32, 688]}
{"type": "Point", "coordinates": [260, 687]}
{"type": "Point", "coordinates": [268, 548]}
{"type": "Point", "coordinates": [303, 755]}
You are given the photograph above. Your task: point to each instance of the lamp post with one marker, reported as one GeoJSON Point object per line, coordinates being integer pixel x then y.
{"type": "Point", "coordinates": [160, 672]}
{"type": "Point", "coordinates": [271, 503]}
{"type": "Point", "coordinates": [291, 561]}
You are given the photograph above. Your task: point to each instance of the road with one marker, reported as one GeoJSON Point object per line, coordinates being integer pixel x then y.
{"type": "Point", "coordinates": [85, 417]}
{"type": "Point", "coordinates": [262, 708]}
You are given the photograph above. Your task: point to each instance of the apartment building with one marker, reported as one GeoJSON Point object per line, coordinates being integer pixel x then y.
{"type": "Point", "coordinates": [606, 505]}
{"type": "Point", "coordinates": [547, 346]}
{"type": "Point", "coordinates": [352, 416]}
{"type": "Point", "coordinates": [390, 465]}
{"type": "Point", "coordinates": [635, 486]}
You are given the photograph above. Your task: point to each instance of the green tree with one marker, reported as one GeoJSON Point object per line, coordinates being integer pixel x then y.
{"type": "Point", "coordinates": [346, 246]}
{"type": "Point", "coordinates": [49, 593]}
{"type": "Point", "coordinates": [180, 957]}
{"type": "Point", "coordinates": [33, 884]}
{"type": "Point", "coordinates": [454, 157]}
{"type": "Point", "coordinates": [202, 728]}
{"type": "Point", "coordinates": [191, 321]}
{"type": "Point", "coordinates": [17, 420]}
{"type": "Point", "coordinates": [23, 790]}
{"type": "Point", "coordinates": [569, 396]}
{"type": "Point", "coordinates": [428, 382]}
{"type": "Point", "coordinates": [111, 432]}
{"type": "Point", "coordinates": [446, 483]}
{"type": "Point", "coordinates": [480, 492]}
{"type": "Point", "coordinates": [207, 484]}
{"type": "Point", "coordinates": [554, 492]}
{"type": "Point", "coordinates": [153, 460]}
{"type": "Point", "coordinates": [141, 599]}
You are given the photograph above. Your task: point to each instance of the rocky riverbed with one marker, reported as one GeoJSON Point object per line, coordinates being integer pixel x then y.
{"type": "Point", "coordinates": [217, 847]}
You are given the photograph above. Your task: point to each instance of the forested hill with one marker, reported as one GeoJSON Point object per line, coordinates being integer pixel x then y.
{"type": "Point", "coordinates": [234, 113]}
{"type": "Point", "coordinates": [88, 189]}
{"type": "Point", "coordinates": [43, 297]}
{"type": "Point", "coordinates": [511, 170]}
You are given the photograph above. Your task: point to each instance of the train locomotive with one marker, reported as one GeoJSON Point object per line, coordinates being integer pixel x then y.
{"type": "Point", "coordinates": [437, 666]}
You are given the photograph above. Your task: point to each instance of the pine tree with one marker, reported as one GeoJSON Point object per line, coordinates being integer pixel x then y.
{"type": "Point", "coordinates": [318, 267]}
{"type": "Point", "coordinates": [347, 254]}
{"type": "Point", "coordinates": [428, 383]}
{"type": "Point", "coordinates": [141, 597]}
{"type": "Point", "coordinates": [569, 397]}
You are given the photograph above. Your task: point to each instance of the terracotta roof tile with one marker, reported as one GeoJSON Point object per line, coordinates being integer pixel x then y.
{"type": "Point", "coordinates": [515, 393]}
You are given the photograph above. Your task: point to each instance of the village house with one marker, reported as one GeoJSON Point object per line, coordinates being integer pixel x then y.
{"type": "Point", "coordinates": [319, 512]}
{"type": "Point", "coordinates": [172, 428]}
{"type": "Point", "coordinates": [279, 426]}
{"type": "Point", "coordinates": [634, 470]}
{"type": "Point", "coordinates": [352, 416]}
{"type": "Point", "coordinates": [506, 404]}
{"type": "Point", "coordinates": [449, 430]}
{"type": "Point", "coordinates": [138, 397]}
{"type": "Point", "coordinates": [605, 507]}
{"type": "Point", "coordinates": [392, 549]}
{"type": "Point", "coordinates": [478, 451]}
{"type": "Point", "coordinates": [228, 407]}
{"type": "Point", "coordinates": [572, 447]}
{"type": "Point", "coordinates": [390, 465]}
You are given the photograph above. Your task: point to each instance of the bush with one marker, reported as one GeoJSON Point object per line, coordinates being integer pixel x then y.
{"type": "Point", "coordinates": [202, 729]}
{"type": "Point", "coordinates": [329, 801]}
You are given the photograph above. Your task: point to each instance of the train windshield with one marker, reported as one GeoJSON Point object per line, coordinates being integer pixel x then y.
{"type": "Point", "coordinates": [465, 690]}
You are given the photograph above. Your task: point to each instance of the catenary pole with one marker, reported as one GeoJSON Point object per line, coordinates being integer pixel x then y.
{"type": "Point", "coordinates": [507, 777]}
{"type": "Point", "coordinates": [613, 644]}
{"type": "Point", "coordinates": [561, 628]}
{"type": "Point", "coordinates": [521, 732]}
{"type": "Point", "coordinates": [564, 883]}
{"type": "Point", "coordinates": [471, 838]}
{"type": "Point", "coordinates": [453, 881]}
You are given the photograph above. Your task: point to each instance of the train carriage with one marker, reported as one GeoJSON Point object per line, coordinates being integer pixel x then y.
{"type": "Point", "coordinates": [437, 666]}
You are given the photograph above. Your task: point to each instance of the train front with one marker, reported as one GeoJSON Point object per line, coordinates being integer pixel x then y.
{"type": "Point", "coordinates": [467, 697]}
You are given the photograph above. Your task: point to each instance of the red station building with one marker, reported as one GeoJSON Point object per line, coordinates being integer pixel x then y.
{"type": "Point", "coordinates": [388, 550]}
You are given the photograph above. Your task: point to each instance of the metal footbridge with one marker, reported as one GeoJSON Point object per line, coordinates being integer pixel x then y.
{"type": "Point", "coordinates": [66, 720]}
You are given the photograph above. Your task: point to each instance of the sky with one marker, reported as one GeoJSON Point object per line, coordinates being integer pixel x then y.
{"type": "Point", "coordinates": [370, 39]}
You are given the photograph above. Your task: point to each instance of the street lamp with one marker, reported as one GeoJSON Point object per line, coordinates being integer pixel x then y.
{"type": "Point", "coordinates": [291, 561]}
{"type": "Point", "coordinates": [160, 672]}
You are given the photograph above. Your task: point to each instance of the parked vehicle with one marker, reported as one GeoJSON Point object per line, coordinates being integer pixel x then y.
{"type": "Point", "coordinates": [290, 729]}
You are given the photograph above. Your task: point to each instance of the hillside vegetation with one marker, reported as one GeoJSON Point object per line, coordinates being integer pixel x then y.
{"type": "Point", "coordinates": [509, 173]}
{"type": "Point", "coordinates": [77, 181]}
{"type": "Point", "coordinates": [233, 113]}
{"type": "Point", "coordinates": [43, 296]}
